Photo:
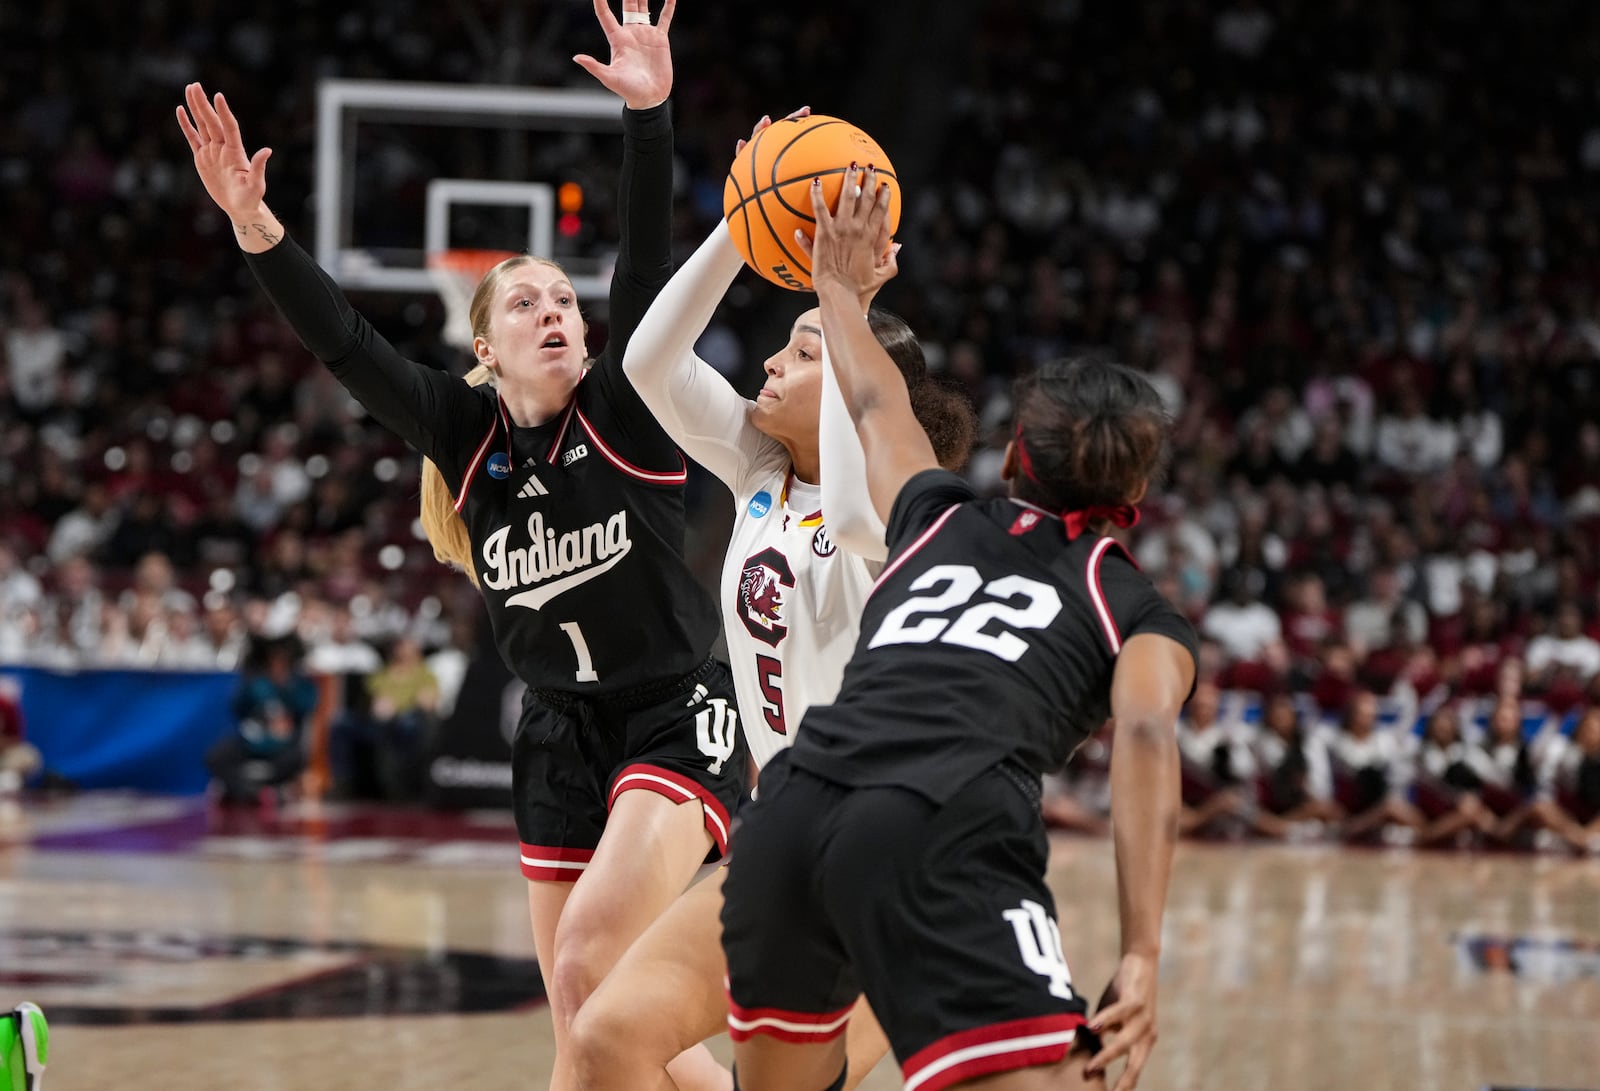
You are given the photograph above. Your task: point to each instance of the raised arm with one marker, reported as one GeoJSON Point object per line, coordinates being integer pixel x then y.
{"type": "Point", "coordinates": [853, 522]}
{"type": "Point", "coordinates": [844, 261]}
{"type": "Point", "coordinates": [425, 407]}
{"type": "Point", "coordinates": [698, 408]}
{"type": "Point", "coordinates": [640, 73]}
{"type": "Point", "coordinates": [1153, 678]}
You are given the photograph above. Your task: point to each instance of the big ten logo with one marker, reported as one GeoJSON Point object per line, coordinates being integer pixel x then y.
{"type": "Point", "coordinates": [579, 451]}
{"type": "Point", "coordinates": [781, 271]}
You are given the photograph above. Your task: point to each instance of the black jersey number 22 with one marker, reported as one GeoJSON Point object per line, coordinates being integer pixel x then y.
{"type": "Point", "coordinates": [1014, 602]}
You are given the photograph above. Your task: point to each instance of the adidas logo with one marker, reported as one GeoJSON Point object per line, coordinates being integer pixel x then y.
{"type": "Point", "coordinates": [532, 487]}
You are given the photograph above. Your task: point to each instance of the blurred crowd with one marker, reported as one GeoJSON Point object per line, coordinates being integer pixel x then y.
{"type": "Point", "coordinates": [1355, 245]}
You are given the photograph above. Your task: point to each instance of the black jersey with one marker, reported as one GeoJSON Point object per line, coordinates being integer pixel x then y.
{"type": "Point", "coordinates": [577, 525]}
{"type": "Point", "coordinates": [989, 636]}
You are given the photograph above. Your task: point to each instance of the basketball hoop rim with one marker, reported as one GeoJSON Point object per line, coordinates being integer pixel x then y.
{"type": "Point", "coordinates": [463, 262]}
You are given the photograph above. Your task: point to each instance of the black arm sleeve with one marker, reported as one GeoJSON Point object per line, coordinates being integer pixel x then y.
{"type": "Point", "coordinates": [644, 265]}
{"type": "Point", "coordinates": [435, 413]}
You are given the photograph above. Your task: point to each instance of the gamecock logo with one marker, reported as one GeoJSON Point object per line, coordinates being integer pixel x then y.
{"type": "Point", "coordinates": [761, 595]}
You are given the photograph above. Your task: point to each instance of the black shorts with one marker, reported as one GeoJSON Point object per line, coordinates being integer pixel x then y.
{"type": "Point", "coordinates": [572, 758]}
{"type": "Point", "coordinates": [940, 914]}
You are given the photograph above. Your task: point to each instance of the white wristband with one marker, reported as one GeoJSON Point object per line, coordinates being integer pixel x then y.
{"type": "Point", "coordinates": [635, 17]}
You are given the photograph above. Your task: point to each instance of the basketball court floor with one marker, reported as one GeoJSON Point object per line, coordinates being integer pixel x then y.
{"type": "Point", "coordinates": [357, 948]}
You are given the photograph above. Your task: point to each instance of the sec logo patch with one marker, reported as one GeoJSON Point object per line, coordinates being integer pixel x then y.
{"type": "Point", "coordinates": [821, 544]}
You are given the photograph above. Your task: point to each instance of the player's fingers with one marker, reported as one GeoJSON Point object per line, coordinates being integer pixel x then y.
{"type": "Point", "coordinates": [592, 66]}
{"type": "Point", "coordinates": [766, 120]}
{"type": "Point", "coordinates": [1136, 1061]}
{"type": "Point", "coordinates": [205, 116]}
{"type": "Point", "coordinates": [195, 98]}
{"type": "Point", "coordinates": [877, 213]}
{"type": "Point", "coordinates": [665, 22]}
{"type": "Point", "coordinates": [803, 241]}
{"type": "Point", "coordinates": [819, 207]}
{"type": "Point", "coordinates": [1114, 1016]}
{"type": "Point", "coordinates": [848, 194]}
{"type": "Point", "coordinates": [804, 111]}
{"type": "Point", "coordinates": [739, 147]}
{"type": "Point", "coordinates": [230, 124]}
{"type": "Point", "coordinates": [258, 161]}
{"type": "Point", "coordinates": [189, 133]}
{"type": "Point", "coordinates": [608, 21]}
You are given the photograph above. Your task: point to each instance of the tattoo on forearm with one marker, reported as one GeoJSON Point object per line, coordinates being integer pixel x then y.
{"type": "Point", "coordinates": [267, 234]}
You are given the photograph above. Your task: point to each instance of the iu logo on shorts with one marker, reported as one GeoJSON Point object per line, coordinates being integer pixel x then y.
{"type": "Point", "coordinates": [1039, 939]}
{"type": "Point", "coordinates": [716, 729]}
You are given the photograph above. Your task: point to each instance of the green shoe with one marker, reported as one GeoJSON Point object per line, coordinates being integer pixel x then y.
{"type": "Point", "coordinates": [24, 1047]}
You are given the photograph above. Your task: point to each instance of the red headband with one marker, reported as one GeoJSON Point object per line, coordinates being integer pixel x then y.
{"type": "Point", "coordinates": [1076, 522]}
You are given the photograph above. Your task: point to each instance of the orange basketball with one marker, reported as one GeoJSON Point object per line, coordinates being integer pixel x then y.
{"type": "Point", "coordinates": [767, 195]}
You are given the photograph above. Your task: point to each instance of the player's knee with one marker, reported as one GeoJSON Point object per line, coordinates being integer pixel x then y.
{"type": "Point", "coordinates": [574, 977]}
{"type": "Point", "coordinates": [601, 1043]}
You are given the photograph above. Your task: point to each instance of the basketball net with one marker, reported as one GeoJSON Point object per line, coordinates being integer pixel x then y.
{"type": "Point", "coordinates": [456, 274]}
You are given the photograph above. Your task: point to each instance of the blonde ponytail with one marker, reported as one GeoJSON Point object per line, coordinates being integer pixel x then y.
{"type": "Point", "coordinates": [446, 531]}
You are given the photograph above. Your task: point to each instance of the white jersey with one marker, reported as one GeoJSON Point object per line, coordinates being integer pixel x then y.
{"type": "Point", "coordinates": [791, 605]}
{"type": "Point", "coordinates": [791, 594]}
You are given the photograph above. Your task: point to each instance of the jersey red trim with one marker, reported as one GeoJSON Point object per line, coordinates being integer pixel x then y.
{"type": "Point", "coordinates": [679, 789]}
{"type": "Point", "coordinates": [1097, 595]}
{"type": "Point", "coordinates": [561, 433]}
{"type": "Point", "coordinates": [472, 467]}
{"type": "Point", "coordinates": [677, 477]}
{"type": "Point", "coordinates": [983, 1051]}
{"type": "Point", "coordinates": [554, 864]}
{"type": "Point", "coordinates": [916, 545]}
{"type": "Point", "coordinates": [801, 1027]}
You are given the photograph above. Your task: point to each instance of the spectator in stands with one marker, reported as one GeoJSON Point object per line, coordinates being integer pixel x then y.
{"type": "Point", "coordinates": [1384, 618]}
{"type": "Point", "coordinates": [273, 703]}
{"type": "Point", "coordinates": [1243, 624]}
{"type": "Point", "coordinates": [1575, 776]}
{"type": "Point", "coordinates": [86, 528]}
{"type": "Point", "coordinates": [1294, 784]}
{"type": "Point", "coordinates": [1372, 775]}
{"type": "Point", "coordinates": [405, 703]}
{"type": "Point", "coordinates": [1449, 776]}
{"type": "Point", "coordinates": [1217, 765]}
{"type": "Point", "coordinates": [18, 759]}
{"type": "Point", "coordinates": [1568, 652]}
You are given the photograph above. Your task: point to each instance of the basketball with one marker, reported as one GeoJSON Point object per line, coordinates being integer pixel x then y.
{"type": "Point", "coordinates": [767, 195]}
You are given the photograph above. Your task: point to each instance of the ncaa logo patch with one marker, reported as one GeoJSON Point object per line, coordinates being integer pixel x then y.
{"type": "Point", "coordinates": [499, 465]}
{"type": "Point", "coordinates": [760, 504]}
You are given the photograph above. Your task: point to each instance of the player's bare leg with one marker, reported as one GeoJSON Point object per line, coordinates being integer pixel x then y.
{"type": "Point", "coordinates": [664, 996]}
{"type": "Point", "coordinates": [766, 1064]}
{"type": "Point", "coordinates": [650, 850]}
{"type": "Point", "coordinates": [864, 1043]}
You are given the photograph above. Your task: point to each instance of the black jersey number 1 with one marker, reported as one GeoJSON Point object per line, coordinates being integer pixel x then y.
{"type": "Point", "coordinates": [1020, 603]}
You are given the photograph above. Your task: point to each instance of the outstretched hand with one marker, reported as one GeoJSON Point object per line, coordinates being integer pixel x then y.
{"type": "Point", "coordinates": [1126, 1021]}
{"type": "Point", "coordinates": [852, 245]}
{"type": "Point", "coordinates": [236, 181]}
{"type": "Point", "coordinates": [640, 71]}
